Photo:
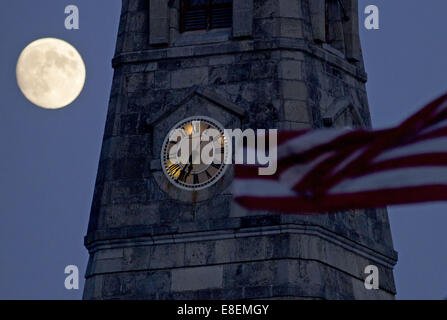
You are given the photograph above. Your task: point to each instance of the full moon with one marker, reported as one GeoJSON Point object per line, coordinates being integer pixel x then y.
{"type": "Point", "coordinates": [50, 73]}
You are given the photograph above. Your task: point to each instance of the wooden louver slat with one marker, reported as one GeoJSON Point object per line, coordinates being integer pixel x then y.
{"type": "Point", "coordinates": [206, 14]}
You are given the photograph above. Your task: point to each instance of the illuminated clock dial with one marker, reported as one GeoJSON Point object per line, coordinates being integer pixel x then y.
{"type": "Point", "coordinates": [194, 153]}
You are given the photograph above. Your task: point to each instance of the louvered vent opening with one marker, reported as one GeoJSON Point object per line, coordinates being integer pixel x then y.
{"type": "Point", "coordinates": [206, 14]}
{"type": "Point", "coordinates": [222, 16]}
{"type": "Point", "coordinates": [195, 19]}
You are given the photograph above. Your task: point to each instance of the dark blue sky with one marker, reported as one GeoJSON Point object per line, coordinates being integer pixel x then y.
{"type": "Point", "coordinates": [49, 157]}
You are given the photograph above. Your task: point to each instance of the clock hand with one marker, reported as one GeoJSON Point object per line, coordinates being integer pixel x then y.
{"type": "Point", "coordinates": [182, 175]}
{"type": "Point", "coordinates": [190, 166]}
{"type": "Point", "coordinates": [189, 171]}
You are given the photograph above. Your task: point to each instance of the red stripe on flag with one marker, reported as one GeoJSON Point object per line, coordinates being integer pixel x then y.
{"type": "Point", "coordinates": [333, 203]}
{"type": "Point", "coordinates": [421, 160]}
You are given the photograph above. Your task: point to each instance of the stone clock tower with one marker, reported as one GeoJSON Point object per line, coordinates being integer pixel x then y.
{"type": "Point", "coordinates": [285, 64]}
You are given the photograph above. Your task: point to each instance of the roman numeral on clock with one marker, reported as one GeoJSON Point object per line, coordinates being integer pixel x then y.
{"type": "Point", "coordinates": [174, 168]}
{"type": "Point", "coordinates": [208, 174]}
{"type": "Point", "coordinates": [182, 176]}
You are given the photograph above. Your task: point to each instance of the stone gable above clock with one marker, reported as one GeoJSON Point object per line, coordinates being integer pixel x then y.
{"type": "Point", "coordinates": [197, 103]}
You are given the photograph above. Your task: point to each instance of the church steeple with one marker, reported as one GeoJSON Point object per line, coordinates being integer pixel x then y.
{"type": "Point", "coordinates": [158, 233]}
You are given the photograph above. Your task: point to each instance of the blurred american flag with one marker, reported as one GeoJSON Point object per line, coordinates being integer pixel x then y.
{"type": "Point", "coordinates": [338, 169]}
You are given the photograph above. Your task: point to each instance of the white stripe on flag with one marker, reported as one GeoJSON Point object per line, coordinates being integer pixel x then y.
{"type": "Point", "coordinates": [439, 125]}
{"type": "Point", "coordinates": [309, 141]}
{"type": "Point", "coordinates": [441, 108]}
{"type": "Point", "coordinates": [393, 179]}
{"type": "Point", "coordinates": [295, 174]}
{"type": "Point", "coordinates": [438, 145]}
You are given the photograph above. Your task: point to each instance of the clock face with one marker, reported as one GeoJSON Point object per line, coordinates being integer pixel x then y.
{"type": "Point", "coordinates": [203, 139]}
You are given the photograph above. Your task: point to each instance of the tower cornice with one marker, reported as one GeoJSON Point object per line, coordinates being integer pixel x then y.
{"type": "Point", "coordinates": [245, 46]}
